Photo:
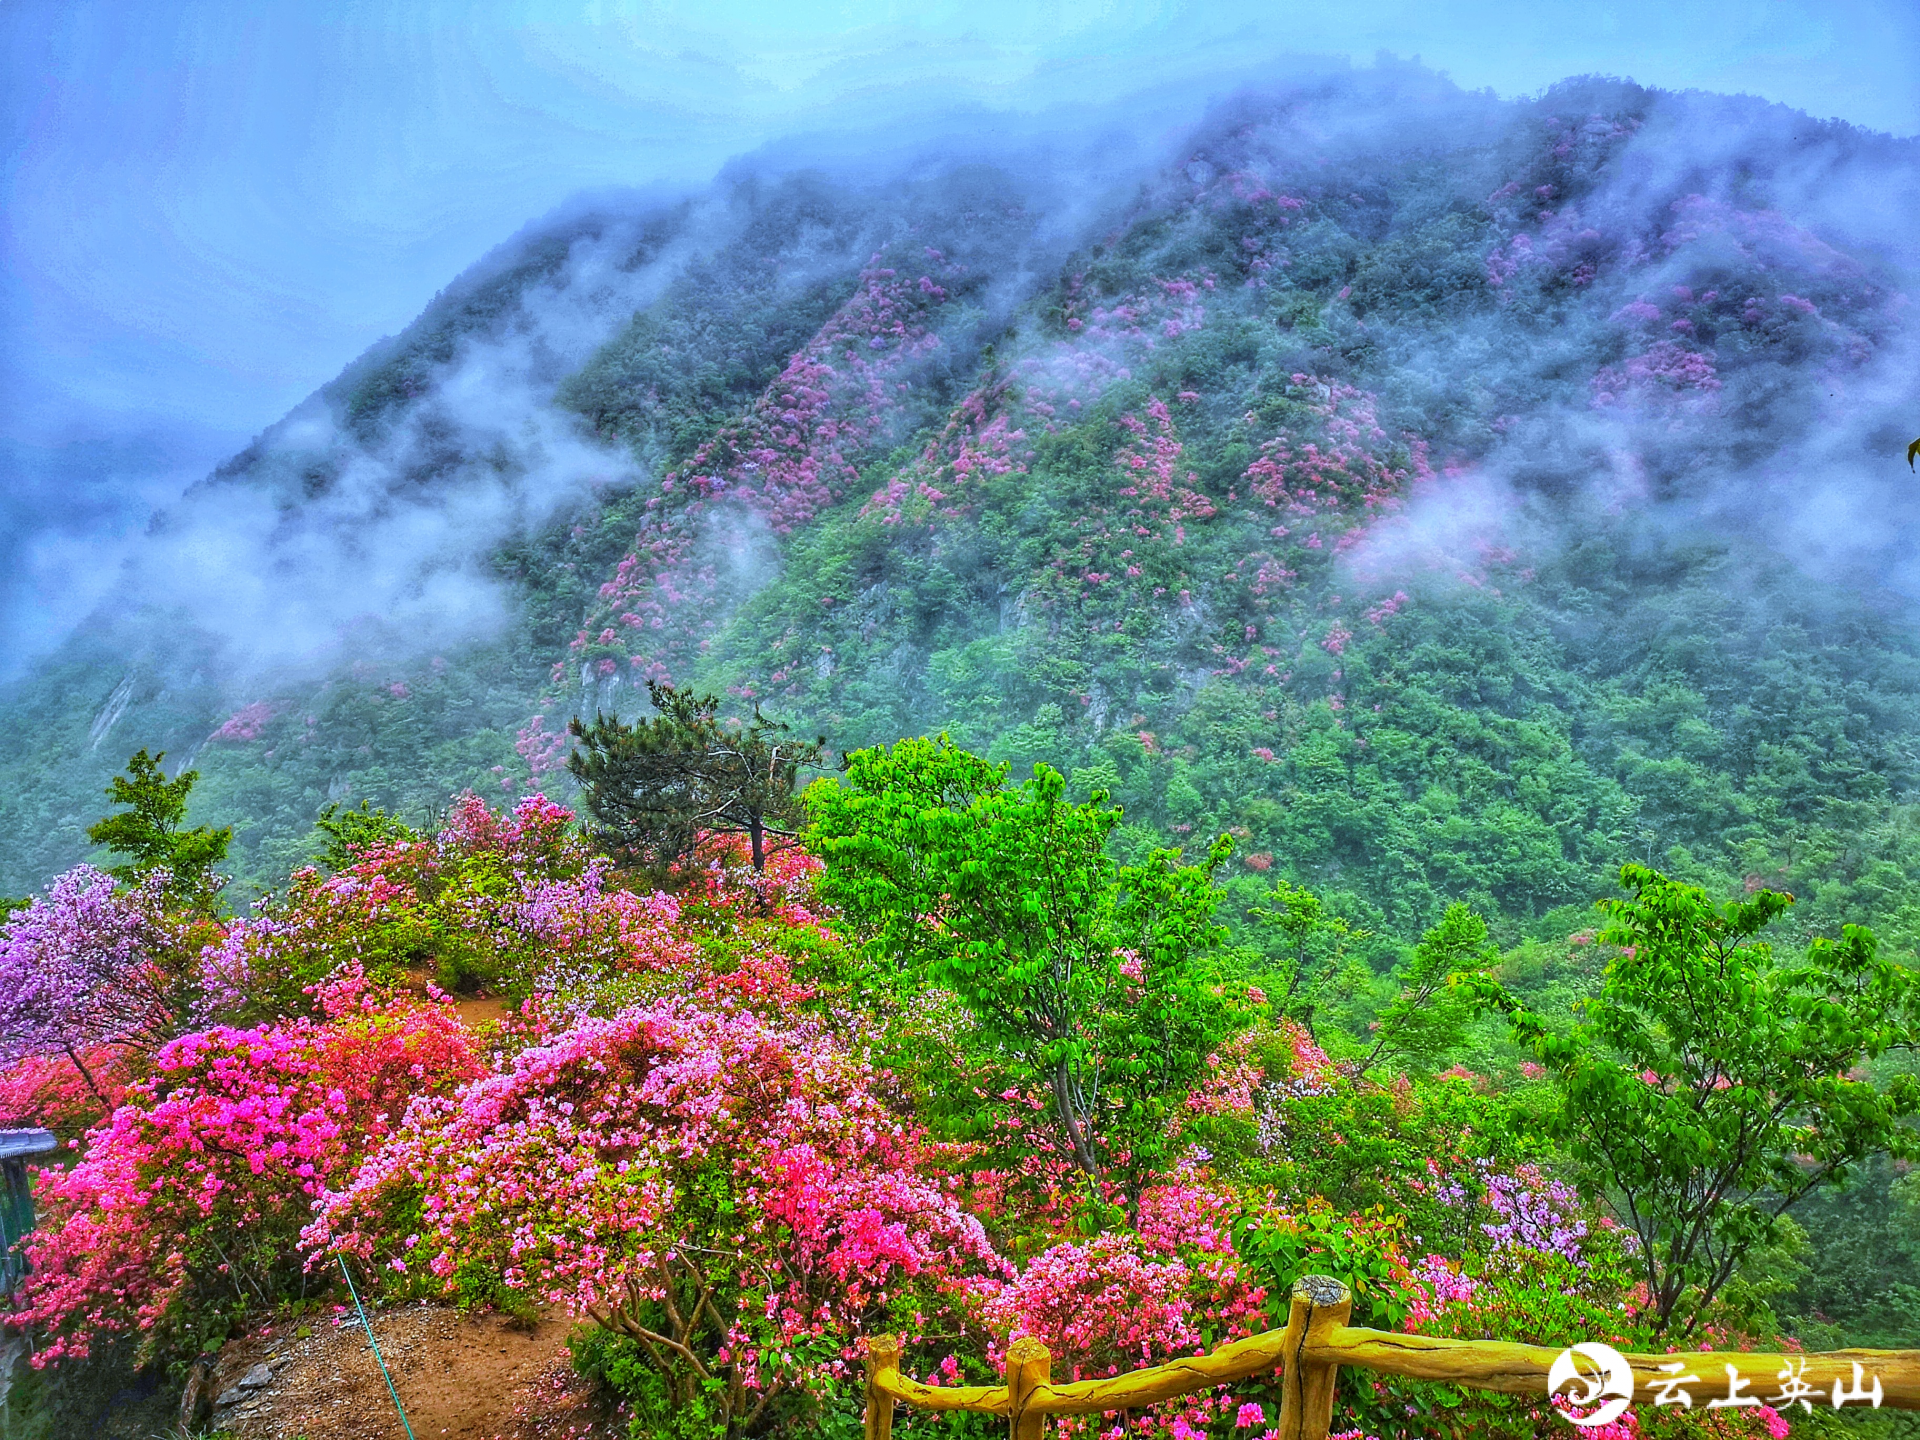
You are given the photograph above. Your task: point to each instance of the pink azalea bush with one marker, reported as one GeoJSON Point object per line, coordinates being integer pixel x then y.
{"type": "Point", "coordinates": [49, 1091]}
{"type": "Point", "coordinates": [512, 901]}
{"type": "Point", "coordinates": [185, 1207]}
{"type": "Point", "coordinates": [1128, 1299]}
{"type": "Point", "coordinates": [735, 1194]}
{"type": "Point", "coordinates": [1139, 1296]}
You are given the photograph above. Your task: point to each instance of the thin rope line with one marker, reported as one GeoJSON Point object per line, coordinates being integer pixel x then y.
{"type": "Point", "coordinates": [367, 1325]}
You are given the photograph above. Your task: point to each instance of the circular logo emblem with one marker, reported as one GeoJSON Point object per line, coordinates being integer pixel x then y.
{"type": "Point", "coordinates": [1614, 1378]}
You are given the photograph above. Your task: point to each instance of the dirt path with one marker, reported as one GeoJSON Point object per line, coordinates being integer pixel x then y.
{"type": "Point", "coordinates": [461, 1377]}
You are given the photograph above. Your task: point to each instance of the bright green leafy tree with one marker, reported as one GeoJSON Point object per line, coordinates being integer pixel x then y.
{"type": "Point", "coordinates": [1430, 1013]}
{"type": "Point", "coordinates": [884, 872]}
{"type": "Point", "coordinates": [656, 785]}
{"type": "Point", "coordinates": [1306, 945]}
{"type": "Point", "coordinates": [1709, 1087]}
{"type": "Point", "coordinates": [348, 831]}
{"type": "Point", "coordinates": [1086, 979]}
{"type": "Point", "coordinates": [148, 831]}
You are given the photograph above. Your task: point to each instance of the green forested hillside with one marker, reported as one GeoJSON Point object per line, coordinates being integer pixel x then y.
{"type": "Point", "coordinates": [1423, 501]}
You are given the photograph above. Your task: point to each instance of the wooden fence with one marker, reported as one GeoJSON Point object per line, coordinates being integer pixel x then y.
{"type": "Point", "coordinates": [1317, 1341]}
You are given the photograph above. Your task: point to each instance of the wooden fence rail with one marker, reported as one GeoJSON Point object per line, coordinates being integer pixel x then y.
{"type": "Point", "coordinates": [1317, 1341]}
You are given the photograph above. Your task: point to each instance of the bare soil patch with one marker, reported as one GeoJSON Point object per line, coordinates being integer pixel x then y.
{"type": "Point", "coordinates": [460, 1376]}
{"type": "Point", "coordinates": [478, 1010]}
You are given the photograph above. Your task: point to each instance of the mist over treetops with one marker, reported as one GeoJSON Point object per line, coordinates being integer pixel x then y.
{"type": "Point", "coordinates": [1449, 498]}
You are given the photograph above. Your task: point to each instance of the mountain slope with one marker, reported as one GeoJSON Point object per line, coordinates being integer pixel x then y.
{"type": "Point", "coordinates": [1451, 498]}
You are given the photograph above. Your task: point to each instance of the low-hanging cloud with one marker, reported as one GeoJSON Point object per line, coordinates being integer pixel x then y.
{"type": "Point", "coordinates": [332, 533]}
{"type": "Point", "coordinates": [335, 534]}
{"type": "Point", "coordinates": [326, 536]}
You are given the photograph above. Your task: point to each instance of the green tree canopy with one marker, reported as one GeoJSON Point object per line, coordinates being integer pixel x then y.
{"type": "Point", "coordinates": [148, 831]}
{"type": "Point", "coordinates": [1305, 946]}
{"type": "Point", "coordinates": [1708, 1087]}
{"type": "Point", "coordinates": [1430, 1014]}
{"type": "Point", "coordinates": [348, 831]}
{"type": "Point", "coordinates": [656, 785]}
{"type": "Point", "coordinates": [1086, 979]}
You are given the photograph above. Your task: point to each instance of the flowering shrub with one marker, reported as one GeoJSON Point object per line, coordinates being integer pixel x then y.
{"type": "Point", "coordinates": [513, 901]}
{"type": "Point", "coordinates": [89, 965]}
{"type": "Point", "coordinates": [717, 1175]}
{"type": "Point", "coordinates": [1665, 374]}
{"type": "Point", "coordinates": [1126, 1299]}
{"type": "Point", "coordinates": [68, 1100]}
{"type": "Point", "coordinates": [1541, 1274]}
{"type": "Point", "coordinates": [1101, 1307]}
{"type": "Point", "coordinates": [1536, 1298]}
{"type": "Point", "coordinates": [185, 1209]}
{"type": "Point", "coordinates": [733, 1195]}
{"type": "Point", "coordinates": [247, 723]}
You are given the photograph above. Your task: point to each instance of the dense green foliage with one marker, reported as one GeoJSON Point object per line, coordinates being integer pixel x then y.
{"type": "Point", "coordinates": [658, 784]}
{"type": "Point", "coordinates": [1710, 1089]}
{"type": "Point", "coordinates": [148, 831]}
{"type": "Point", "coordinates": [1088, 979]}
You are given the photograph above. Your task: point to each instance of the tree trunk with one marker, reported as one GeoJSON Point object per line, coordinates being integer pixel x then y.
{"type": "Point", "coordinates": [759, 834]}
{"type": "Point", "coordinates": [85, 1074]}
{"type": "Point", "coordinates": [1076, 1132]}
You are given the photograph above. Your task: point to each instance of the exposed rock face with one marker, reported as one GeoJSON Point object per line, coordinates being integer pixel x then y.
{"type": "Point", "coordinates": [243, 1397]}
{"type": "Point", "coordinates": [13, 1349]}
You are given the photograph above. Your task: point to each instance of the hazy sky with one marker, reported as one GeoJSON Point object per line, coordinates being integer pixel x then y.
{"type": "Point", "coordinates": [209, 208]}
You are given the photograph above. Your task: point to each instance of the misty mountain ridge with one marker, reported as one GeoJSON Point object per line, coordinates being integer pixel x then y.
{"type": "Point", "coordinates": [1448, 497]}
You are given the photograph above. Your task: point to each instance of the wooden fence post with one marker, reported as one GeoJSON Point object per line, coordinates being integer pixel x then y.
{"type": "Point", "coordinates": [883, 1352]}
{"type": "Point", "coordinates": [1029, 1366]}
{"type": "Point", "coordinates": [1320, 1303]}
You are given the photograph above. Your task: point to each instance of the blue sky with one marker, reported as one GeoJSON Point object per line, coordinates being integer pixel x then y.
{"type": "Point", "coordinates": [209, 208]}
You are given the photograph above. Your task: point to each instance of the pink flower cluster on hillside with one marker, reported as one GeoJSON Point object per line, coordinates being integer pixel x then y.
{"type": "Point", "coordinates": [792, 454]}
{"type": "Point", "coordinates": [1437, 1282]}
{"type": "Point", "coordinates": [1765, 236]}
{"type": "Point", "coordinates": [543, 750]}
{"type": "Point", "coordinates": [720, 875]}
{"type": "Point", "coordinates": [988, 433]}
{"type": "Point", "coordinates": [1336, 475]}
{"type": "Point", "coordinates": [1342, 469]}
{"type": "Point", "coordinates": [521, 890]}
{"type": "Point", "coordinates": [980, 439]}
{"type": "Point", "coordinates": [246, 723]}
{"type": "Point", "coordinates": [1665, 373]}
{"type": "Point", "coordinates": [233, 1137]}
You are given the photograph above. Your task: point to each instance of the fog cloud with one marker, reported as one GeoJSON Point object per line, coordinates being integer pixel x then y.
{"type": "Point", "coordinates": [326, 536]}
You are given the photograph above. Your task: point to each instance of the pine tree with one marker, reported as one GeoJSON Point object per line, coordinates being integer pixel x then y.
{"type": "Point", "coordinates": [657, 785]}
